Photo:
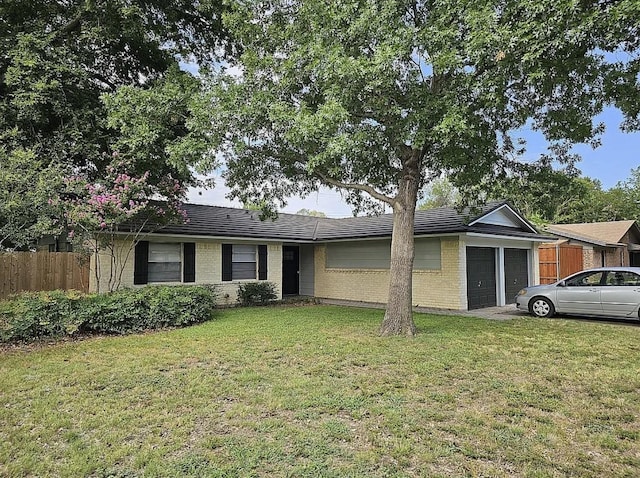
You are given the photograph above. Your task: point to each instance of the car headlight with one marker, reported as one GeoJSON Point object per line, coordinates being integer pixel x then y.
{"type": "Point", "coordinates": [522, 292]}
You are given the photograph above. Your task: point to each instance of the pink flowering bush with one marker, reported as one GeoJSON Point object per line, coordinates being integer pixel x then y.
{"type": "Point", "coordinates": [119, 202]}
{"type": "Point", "coordinates": [120, 206]}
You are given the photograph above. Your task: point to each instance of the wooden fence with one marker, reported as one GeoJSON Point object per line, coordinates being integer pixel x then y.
{"type": "Point", "coordinates": [558, 261]}
{"type": "Point", "coordinates": [33, 271]}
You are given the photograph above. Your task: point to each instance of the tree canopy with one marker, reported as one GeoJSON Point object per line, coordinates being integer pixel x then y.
{"type": "Point", "coordinates": [310, 212]}
{"type": "Point", "coordinates": [547, 196]}
{"type": "Point", "coordinates": [440, 193]}
{"type": "Point", "coordinates": [81, 79]}
{"type": "Point", "coordinates": [381, 97]}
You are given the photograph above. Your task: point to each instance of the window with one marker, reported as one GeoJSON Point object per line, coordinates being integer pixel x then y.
{"type": "Point", "coordinates": [589, 279]}
{"type": "Point", "coordinates": [165, 262]}
{"type": "Point", "coordinates": [622, 278]}
{"type": "Point", "coordinates": [377, 254]}
{"type": "Point", "coordinates": [243, 262]}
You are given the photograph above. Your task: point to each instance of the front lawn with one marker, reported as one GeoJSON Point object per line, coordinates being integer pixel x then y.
{"type": "Point", "coordinates": [313, 391]}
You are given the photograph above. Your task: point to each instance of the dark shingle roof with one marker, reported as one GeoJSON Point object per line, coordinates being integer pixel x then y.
{"type": "Point", "coordinates": [218, 221]}
{"type": "Point", "coordinates": [229, 222]}
{"type": "Point", "coordinates": [432, 221]}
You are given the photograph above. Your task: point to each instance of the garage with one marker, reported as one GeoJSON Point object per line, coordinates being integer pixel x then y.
{"type": "Point", "coordinates": [481, 277]}
{"type": "Point", "coordinates": [516, 272]}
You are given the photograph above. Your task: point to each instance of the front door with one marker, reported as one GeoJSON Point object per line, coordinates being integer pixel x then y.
{"type": "Point", "coordinates": [481, 277]}
{"type": "Point", "coordinates": [290, 270]}
{"type": "Point", "coordinates": [516, 272]}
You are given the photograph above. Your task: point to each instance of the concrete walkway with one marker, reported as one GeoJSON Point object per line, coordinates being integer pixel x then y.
{"type": "Point", "coordinates": [494, 313]}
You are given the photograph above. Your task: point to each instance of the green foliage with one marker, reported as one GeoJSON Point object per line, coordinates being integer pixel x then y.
{"type": "Point", "coordinates": [310, 212]}
{"type": "Point", "coordinates": [355, 96]}
{"type": "Point", "coordinates": [154, 127]}
{"type": "Point", "coordinates": [626, 195]}
{"type": "Point", "coordinates": [36, 315]}
{"type": "Point", "coordinates": [440, 193]}
{"type": "Point", "coordinates": [256, 293]}
{"type": "Point", "coordinates": [26, 185]}
{"type": "Point", "coordinates": [81, 79]}
{"type": "Point", "coordinates": [131, 310]}
{"type": "Point", "coordinates": [563, 197]}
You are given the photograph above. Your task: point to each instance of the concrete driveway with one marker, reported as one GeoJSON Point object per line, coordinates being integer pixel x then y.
{"type": "Point", "coordinates": [505, 312]}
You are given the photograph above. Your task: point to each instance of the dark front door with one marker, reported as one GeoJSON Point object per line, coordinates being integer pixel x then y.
{"type": "Point", "coordinates": [290, 270]}
{"type": "Point", "coordinates": [481, 277]}
{"type": "Point", "coordinates": [516, 272]}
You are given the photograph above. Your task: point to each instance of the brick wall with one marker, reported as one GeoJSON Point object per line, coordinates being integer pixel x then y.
{"type": "Point", "coordinates": [613, 257]}
{"type": "Point", "coordinates": [616, 257]}
{"type": "Point", "coordinates": [208, 268]}
{"type": "Point", "coordinates": [590, 258]}
{"type": "Point", "coordinates": [124, 258]}
{"type": "Point", "coordinates": [438, 288]}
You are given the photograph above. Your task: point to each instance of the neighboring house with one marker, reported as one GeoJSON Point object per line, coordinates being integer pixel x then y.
{"type": "Point", "coordinates": [597, 244]}
{"type": "Point", "coordinates": [461, 262]}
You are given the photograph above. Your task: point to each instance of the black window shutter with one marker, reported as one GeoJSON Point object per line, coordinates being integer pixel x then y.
{"type": "Point", "coordinates": [227, 262]}
{"type": "Point", "coordinates": [262, 262]}
{"type": "Point", "coordinates": [141, 262]}
{"type": "Point", "coordinates": [189, 266]}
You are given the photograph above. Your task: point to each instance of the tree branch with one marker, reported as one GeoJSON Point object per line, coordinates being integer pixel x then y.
{"type": "Point", "coordinates": [73, 24]}
{"type": "Point", "coordinates": [360, 187]}
{"type": "Point", "coordinates": [339, 184]}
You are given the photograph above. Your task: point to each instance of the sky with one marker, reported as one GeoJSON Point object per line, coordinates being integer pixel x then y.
{"type": "Point", "coordinates": [610, 163]}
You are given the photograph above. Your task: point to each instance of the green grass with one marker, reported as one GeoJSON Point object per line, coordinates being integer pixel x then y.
{"type": "Point", "coordinates": [313, 391]}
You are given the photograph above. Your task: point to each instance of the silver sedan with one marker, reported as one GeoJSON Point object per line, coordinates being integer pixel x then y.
{"type": "Point", "coordinates": [607, 291]}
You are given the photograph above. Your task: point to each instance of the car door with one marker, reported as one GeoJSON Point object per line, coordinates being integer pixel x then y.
{"type": "Point", "coordinates": [620, 294]}
{"type": "Point", "coordinates": [580, 294]}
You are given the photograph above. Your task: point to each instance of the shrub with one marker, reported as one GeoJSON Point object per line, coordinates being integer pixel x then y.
{"type": "Point", "coordinates": [256, 293]}
{"type": "Point", "coordinates": [35, 315]}
{"type": "Point", "coordinates": [151, 307]}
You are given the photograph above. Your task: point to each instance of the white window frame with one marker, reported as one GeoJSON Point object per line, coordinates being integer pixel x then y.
{"type": "Point", "coordinates": [253, 252]}
{"type": "Point", "coordinates": [150, 278]}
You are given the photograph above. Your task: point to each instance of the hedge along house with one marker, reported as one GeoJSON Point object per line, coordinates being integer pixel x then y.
{"type": "Point", "coordinates": [461, 261]}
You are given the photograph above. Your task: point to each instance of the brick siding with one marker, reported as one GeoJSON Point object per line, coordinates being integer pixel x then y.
{"type": "Point", "coordinates": [208, 268]}
{"type": "Point", "coordinates": [438, 288]}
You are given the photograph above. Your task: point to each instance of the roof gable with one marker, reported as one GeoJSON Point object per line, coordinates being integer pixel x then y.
{"type": "Point", "coordinates": [505, 216]}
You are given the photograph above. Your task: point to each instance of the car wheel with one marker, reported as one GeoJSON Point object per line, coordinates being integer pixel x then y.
{"type": "Point", "coordinates": [541, 307]}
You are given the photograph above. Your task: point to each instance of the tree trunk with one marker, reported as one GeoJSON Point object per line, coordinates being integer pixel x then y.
{"type": "Point", "coordinates": [398, 318]}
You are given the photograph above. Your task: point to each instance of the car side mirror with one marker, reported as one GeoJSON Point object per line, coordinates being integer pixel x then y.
{"type": "Point", "coordinates": [562, 284]}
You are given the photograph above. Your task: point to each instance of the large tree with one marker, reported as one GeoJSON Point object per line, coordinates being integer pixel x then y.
{"type": "Point", "coordinates": [380, 97]}
{"type": "Point", "coordinates": [80, 79]}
